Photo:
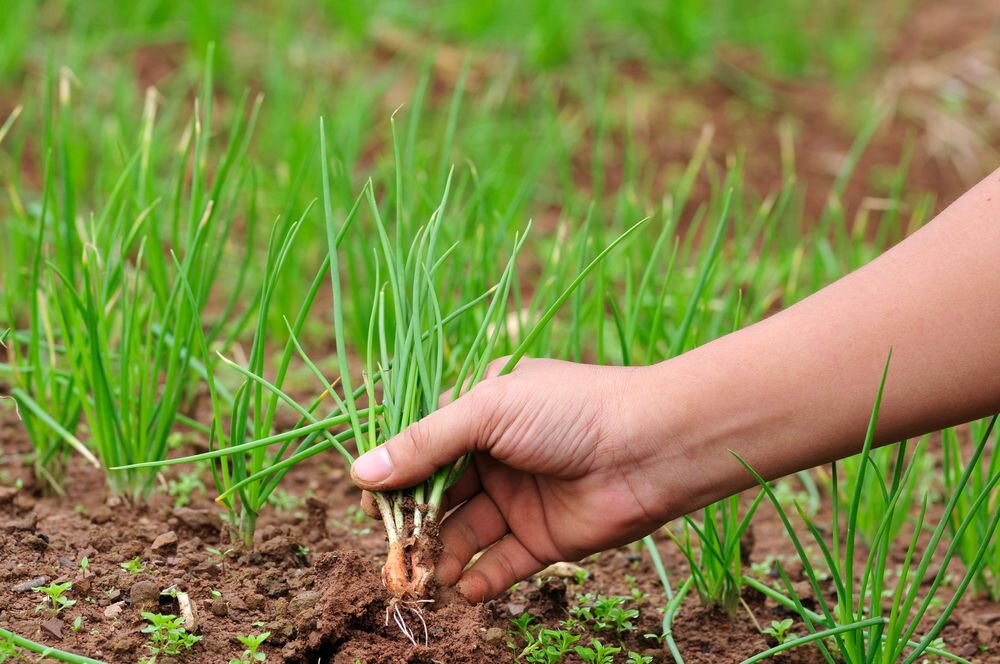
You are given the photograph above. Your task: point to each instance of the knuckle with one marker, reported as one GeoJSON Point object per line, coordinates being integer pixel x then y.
{"type": "Point", "coordinates": [417, 438]}
{"type": "Point", "coordinates": [494, 368]}
{"type": "Point", "coordinates": [505, 566]}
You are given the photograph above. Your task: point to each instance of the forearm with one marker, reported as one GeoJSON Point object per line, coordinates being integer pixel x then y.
{"type": "Point", "coordinates": [797, 389]}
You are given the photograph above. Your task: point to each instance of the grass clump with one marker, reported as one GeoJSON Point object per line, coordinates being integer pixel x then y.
{"type": "Point", "coordinates": [716, 563]}
{"type": "Point", "coordinates": [978, 530]}
{"type": "Point", "coordinates": [875, 618]}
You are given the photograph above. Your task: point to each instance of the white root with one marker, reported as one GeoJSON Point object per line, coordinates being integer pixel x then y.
{"type": "Point", "coordinates": [397, 616]}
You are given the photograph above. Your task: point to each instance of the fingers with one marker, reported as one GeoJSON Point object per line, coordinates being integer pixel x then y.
{"type": "Point", "coordinates": [473, 527]}
{"type": "Point", "coordinates": [493, 370]}
{"type": "Point", "coordinates": [368, 505]}
{"type": "Point", "coordinates": [503, 565]}
{"type": "Point", "coordinates": [432, 443]}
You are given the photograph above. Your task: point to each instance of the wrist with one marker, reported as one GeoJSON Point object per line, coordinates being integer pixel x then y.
{"type": "Point", "coordinates": [685, 436]}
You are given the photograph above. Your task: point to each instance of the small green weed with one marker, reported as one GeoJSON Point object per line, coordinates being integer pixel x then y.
{"type": "Point", "coordinates": [779, 630]}
{"type": "Point", "coordinates": [134, 566]}
{"type": "Point", "coordinates": [167, 636]}
{"type": "Point", "coordinates": [8, 651]}
{"type": "Point", "coordinates": [597, 653]}
{"type": "Point", "coordinates": [604, 614]}
{"type": "Point", "coordinates": [220, 555]}
{"type": "Point", "coordinates": [54, 593]}
{"type": "Point", "coordinates": [251, 643]}
{"type": "Point", "coordinates": [184, 487]}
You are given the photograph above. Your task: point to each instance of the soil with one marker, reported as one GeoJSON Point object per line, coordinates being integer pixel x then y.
{"type": "Point", "coordinates": [313, 581]}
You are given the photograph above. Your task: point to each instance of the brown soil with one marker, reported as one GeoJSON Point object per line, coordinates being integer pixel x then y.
{"type": "Point", "coordinates": [328, 605]}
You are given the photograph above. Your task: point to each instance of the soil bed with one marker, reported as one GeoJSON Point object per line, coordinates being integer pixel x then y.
{"type": "Point", "coordinates": [313, 581]}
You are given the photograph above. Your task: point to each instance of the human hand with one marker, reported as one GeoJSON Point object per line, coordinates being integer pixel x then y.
{"type": "Point", "coordinates": [561, 468]}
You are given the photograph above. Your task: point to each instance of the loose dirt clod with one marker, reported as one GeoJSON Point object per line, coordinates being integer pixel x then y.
{"type": "Point", "coordinates": [348, 622]}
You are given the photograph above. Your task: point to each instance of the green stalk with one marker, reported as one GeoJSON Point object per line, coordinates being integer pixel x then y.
{"type": "Point", "coordinates": [46, 651]}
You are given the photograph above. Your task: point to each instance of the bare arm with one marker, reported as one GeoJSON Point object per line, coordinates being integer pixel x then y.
{"type": "Point", "coordinates": [796, 390]}
{"type": "Point", "coordinates": [561, 469]}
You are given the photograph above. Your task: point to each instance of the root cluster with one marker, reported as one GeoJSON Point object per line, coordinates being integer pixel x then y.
{"type": "Point", "coordinates": [408, 575]}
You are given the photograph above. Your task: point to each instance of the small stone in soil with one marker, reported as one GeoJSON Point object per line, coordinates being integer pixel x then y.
{"type": "Point", "coordinates": [54, 626]}
{"type": "Point", "coordinates": [515, 608]}
{"type": "Point", "coordinates": [219, 608]}
{"type": "Point", "coordinates": [7, 494]}
{"type": "Point", "coordinates": [562, 570]}
{"type": "Point", "coordinates": [303, 602]}
{"type": "Point", "coordinates": [122, 645]}
{"type": "Point", "coordinates": [198, 519]}
{"type": "Point", "coordinates": [207, 567]}
{"type": "Point", "coordinates": [101, 515]}
{"type": "Point", "coordinates": [114, 610]}
{"type": "Point", "coordinates": [493, 634]}
{"type": "Point", "coordinates": [272, 583]}
{"type": "Point", "coordinates": [144, 592]}
{"type": "Point", "coordinates": [25, 586]}
{"type": "Point", "coordinates": [165, 542]}
{"type": "Point", "coordinates": [27, 523]}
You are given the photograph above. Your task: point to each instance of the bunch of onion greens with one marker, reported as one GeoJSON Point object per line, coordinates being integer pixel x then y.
{"type": "Point", "coordinates": [408, 357]}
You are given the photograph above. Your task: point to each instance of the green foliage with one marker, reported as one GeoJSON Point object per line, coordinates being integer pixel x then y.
{"type": "Point", "coordinates": [167, 636]}
{"type": "Point", "coordinates": [859, 625]}
{"type": "Point", "coordinates": [778, 630]}
{"type": "Point", "coordinates": [604, 614]}
{"type": "Point", "coordinates": [8, 651]}
{"type": "Point", "coordinates": [184, 488]}
{"type": "Point", "coordinates": [716, 563]}
{"type": "Point", "coordinates": [220, 555]}
{"type": "Point", "coordinates": [11, 645]}
{"type": "Point", "coordinates": [591, 614]}
{"type": "Point", "coordinates": [251, 643]}
{"type": "Point", "coordinates": [546, 646]}
{"type": "Point", "coordinates": [55, 596]}
{"type": "Point", "coordinates": [986, 580]}
{"type": "Point", "coordinates": [880, 469]}
{"type": "Point", "coordinates": [133, 566]}
{"type": "Point", "coordinates": [597, 652]}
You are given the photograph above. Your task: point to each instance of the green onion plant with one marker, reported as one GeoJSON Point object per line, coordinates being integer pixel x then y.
{"type": "Point", "coordinates": [876, 618]}
{"type": "Point", "coordinates": [987, 577]}
{"type": "Point", "coordinates": [108, 304]}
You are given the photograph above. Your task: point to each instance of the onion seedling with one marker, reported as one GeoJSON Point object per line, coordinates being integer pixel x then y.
{"type": "Point", "coordinates": [716, 563]}
{"type": "Point", "coordinates": [863, 627]}
{"type": "Point", "coordinates": [127, 319]}
{"type": "Point", "coordinates": [244, 486]}
{"type": "Point", "coordinates": [43, 387]}
{"type": "Point", "coordinates": [987, 578]}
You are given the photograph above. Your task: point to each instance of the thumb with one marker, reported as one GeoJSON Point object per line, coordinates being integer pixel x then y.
{"type": "Point", "coordinates": [425, 446]}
